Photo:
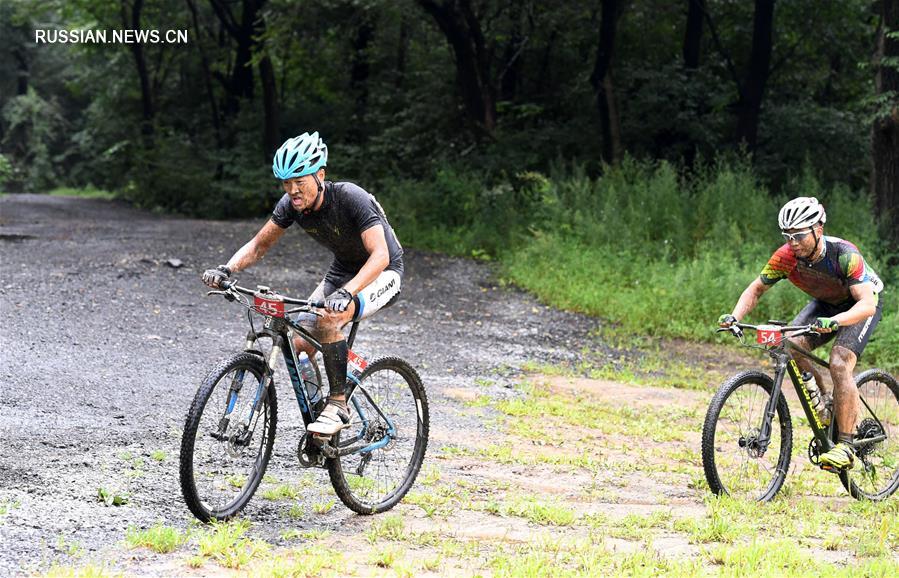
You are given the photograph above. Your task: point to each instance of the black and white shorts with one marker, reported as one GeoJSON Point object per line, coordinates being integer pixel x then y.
{"type": "Point", "coordinates": [852, 337]}
{"type": "Point", "coordinates": [380, 293]}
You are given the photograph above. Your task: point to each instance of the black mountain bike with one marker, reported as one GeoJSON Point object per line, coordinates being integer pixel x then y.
{"type": "Point", "coordinates": [747, 437]}
{"type": "Point", "coordinates": [230, 428]}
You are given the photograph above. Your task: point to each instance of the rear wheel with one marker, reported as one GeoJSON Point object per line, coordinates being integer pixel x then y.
{"type": "Point", "coordinates": [734, 461]}
{"type": "Point", "coordinates": [223, 453]}
{"type": "Point", "coordinates": [875, 474]}
{"type": "Point", "coordinates": [384, 446]}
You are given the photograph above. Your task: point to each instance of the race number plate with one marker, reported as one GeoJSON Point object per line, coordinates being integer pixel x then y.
{"type": "Point", "coordinates": [356, 363]}
{"type": "Point", "coordinates": [769, 335]}
{"type": "Point", "coordinates": [270, 307]}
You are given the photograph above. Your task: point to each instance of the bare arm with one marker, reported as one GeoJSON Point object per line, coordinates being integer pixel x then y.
{"type": "Point", "coordinates": [749, 299]}
{"type": "Point", "coordinates": [256, 248]}
{"type": "Point", "coordinates": [378, 259]}
{"type": "Point", "coordinates": [865, 305]}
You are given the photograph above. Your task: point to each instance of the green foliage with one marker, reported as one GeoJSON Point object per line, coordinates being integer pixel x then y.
{"type": "Point", "coordinates": [159, 538]}
{"type": "Point", "coordinates": [32, 125]}
{"type": "Point", "coordinates": [84, 193]}
{"type": "Point", "coordinates": [661, 256]}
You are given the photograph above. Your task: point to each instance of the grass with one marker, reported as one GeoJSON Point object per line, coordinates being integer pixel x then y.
{"type": "Point", "coordinates": [159, 538]}
{"type": "Point", "coordinates": [323, 507]}
{"type": "Point", "coordinates": [390, 527]}
{"type": "Point", "coordinates": [84, 193]}
{"type": "Point", "coordinates": [8, 504]}
{"type": "Point", "coordinates": [112, 497]}
{"type": "Point", "coordinates": [227, 544]}
{"type": "Point", "coordinates": [281, 492]}
{"type": "Point", "coordinates": [534, 510]}
{"type": "Point", "coordinates": [86, 571]}
{"type": "Point", "coordinates": [644, 247]}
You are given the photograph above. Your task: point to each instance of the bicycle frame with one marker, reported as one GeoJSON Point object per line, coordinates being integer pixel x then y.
{"type": "Point", "coordinates": [278, 330]}
{"type": "Point", "coordinates": [785, 364]}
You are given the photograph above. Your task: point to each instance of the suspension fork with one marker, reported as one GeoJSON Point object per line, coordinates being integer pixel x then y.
{"type": "Point", "coordinates": [263, 389]}
{"type": "Point", "coordinates": [771, 407]}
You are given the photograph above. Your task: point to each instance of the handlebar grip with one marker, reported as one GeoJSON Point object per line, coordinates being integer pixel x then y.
{"type": "Point", "coordinates": [317, 304]}
{"type": "Point", "coordinates": [226, 284]}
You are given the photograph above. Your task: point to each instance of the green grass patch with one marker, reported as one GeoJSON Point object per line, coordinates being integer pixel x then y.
{"type": "Point", "coordinates": [227, 545]}
{"type": "Point", "coordinates": [83, 193]}
{"type": "Point", "coordinates": [390, 527]}
{"type": "Point", "coordinates": [159, 538]}
{"type": "Point", "coordinates": [281, 492]}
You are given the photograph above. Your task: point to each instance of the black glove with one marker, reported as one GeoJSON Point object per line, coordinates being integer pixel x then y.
{"type": "Point", "coordinates": [214, 277]}
{"type": "Point", "coordinates": [338, 300]}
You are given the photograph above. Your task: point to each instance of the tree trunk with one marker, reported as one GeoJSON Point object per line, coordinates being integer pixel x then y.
{"type": "Point", "coordinates": [22, 71]}
{"type": "Point", "coordinates": [244, 34]}
{"type": "Point", "coordinates": [207, 75]}
{"type": "Point", "coordinates": [601, 79]}
{"type": "Point", "coordinates": [750, 104]}
{"type": "Point", "coordinates": [137, 49]}
{"type": "Point", "coordinates": [512, 56]}
{"type": "Point", "coordinates": [359, 72]}
{"type": "Point", "coordinates": [693, 33]}
{"type": "Point", "coordinates": [401, 50]}
{"type": "Point", "coordinates": [463, 32]}
{"type": "Point", "coordinates": [885, 133]}
{"type": "Point", "coordinates": [271, 138]}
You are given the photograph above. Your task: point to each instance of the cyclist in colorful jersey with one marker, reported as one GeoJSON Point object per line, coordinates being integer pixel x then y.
{"type": "Point", "coordinates": [846, 304]}
{"type": "Point", "coordinates": [365, 275]}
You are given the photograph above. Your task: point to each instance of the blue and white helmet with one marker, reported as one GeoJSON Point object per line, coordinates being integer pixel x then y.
{"type": "Point", "coordinates": [300, 156]}
{"type": "Point", "coordinates": [800, 213]}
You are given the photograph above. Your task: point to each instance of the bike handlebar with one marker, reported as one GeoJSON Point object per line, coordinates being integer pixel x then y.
{"type": "Point", "coordinates": [232, 286]}
{"type": "Point", "coordinates": [797, 330]}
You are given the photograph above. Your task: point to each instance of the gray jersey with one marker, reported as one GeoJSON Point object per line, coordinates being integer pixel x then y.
{"type": "Point", "coordinates": [346, 212]}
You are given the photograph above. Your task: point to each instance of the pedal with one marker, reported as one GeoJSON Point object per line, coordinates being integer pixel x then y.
{"type": "Point", "coordinates": [324, 444]}
{"type": "Point", "coordinates": [833, 470]}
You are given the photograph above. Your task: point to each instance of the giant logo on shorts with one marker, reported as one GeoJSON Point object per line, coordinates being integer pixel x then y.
{"type": "Point", "coordinates": [375, 294]}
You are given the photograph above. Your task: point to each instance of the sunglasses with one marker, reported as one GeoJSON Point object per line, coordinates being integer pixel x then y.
{"type": "Point", "coordinates": [796, 236]}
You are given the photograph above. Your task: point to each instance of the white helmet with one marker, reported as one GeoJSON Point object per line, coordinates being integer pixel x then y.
{"type": "Point", "coordinates": [800, 213]}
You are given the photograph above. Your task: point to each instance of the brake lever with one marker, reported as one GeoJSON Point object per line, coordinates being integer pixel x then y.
{"type": "Point", "coordinates": [227, 294]}
{"type": "Point", "coordinates": [732, 329]}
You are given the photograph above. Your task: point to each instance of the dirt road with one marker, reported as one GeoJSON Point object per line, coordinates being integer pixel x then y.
{"type": "Point", "coordinates": [103, 342]}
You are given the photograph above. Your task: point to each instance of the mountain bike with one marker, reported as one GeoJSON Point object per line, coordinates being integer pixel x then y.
{"type": "Point", "coordinates": [230, 428]}
{"type": "Point", "coordinates": [747, 437]}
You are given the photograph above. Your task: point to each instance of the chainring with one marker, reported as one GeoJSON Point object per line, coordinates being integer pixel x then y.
{"type": "Point", "coordinates": [309, 453]}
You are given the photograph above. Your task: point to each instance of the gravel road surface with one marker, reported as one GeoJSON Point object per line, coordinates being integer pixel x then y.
{"type": "Point", "coordinates": [103, 343]}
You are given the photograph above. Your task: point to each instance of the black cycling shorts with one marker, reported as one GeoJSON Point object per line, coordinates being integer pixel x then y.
{"type": "Point", "coordinates": [852, 337]}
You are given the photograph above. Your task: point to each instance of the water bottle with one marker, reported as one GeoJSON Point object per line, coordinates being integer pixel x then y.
{"type": "Point", "coordinates": [819, 404]}
{"type": "Point", "coordinates": [307, 374]}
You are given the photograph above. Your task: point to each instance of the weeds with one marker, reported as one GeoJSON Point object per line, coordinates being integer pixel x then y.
{"type": "Point", "coordinates": [159, 538]}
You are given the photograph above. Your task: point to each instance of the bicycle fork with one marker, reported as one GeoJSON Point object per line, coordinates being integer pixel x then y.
{"type": "Point", "coordinates": [241, 431]}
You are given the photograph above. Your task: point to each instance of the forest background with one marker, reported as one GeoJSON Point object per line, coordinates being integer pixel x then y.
{"type": "Point", "coordinates": [623, 158]}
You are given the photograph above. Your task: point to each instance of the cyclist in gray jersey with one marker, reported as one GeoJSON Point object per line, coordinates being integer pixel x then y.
{"type": "Point", "coordinates": [367, 270]}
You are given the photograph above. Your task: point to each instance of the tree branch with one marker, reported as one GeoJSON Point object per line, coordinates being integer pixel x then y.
{"type": "Point", "coordinates": [720, 48]}
{"type": "Point", "coordinates": [226, 18]}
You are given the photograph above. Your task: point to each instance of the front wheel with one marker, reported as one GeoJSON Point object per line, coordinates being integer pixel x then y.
{"type": "Point", "coordinates": [875, 475]}
{"type": "Point", "coordinates": [735, 461]}
{"type": "Point", "coordinates": [382, 449]}
{"type": "Point", "coordinates": [228, 438]}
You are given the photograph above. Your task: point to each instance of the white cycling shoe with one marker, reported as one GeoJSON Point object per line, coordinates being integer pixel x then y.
{"type": "Point", "coordinates": [331, 420]}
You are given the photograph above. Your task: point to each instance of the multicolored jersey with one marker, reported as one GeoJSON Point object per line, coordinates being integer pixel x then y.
{"type": "Point", "coordinates": [829, 279]}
